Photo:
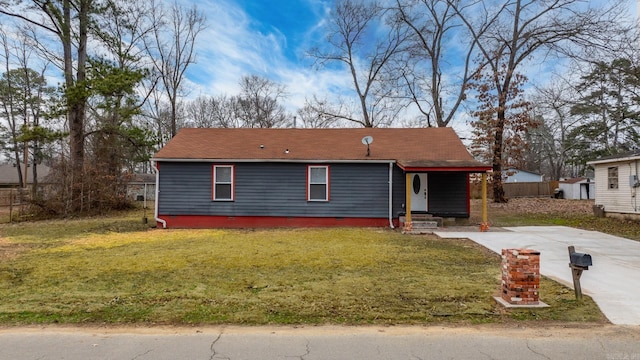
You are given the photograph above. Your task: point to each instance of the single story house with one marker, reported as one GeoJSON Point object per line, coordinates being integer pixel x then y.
{"type": "Point", "coordinates": [311, 177]}
{"type": "Point", "coordinates": [617, 181]}
{"type": "Point", "coordinates": [9, 174]}
{"type": "Point", "coordinates": [579, 188]}
{"type": "Point", "coordinates": [512, 175]}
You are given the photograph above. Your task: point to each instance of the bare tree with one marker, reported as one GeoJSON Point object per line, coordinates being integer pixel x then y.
{"type": "Point", "coordinates": [156, 113]}
{"type": "Point", "coordinates": [354, 39]}
{"type": "Point", "coordinates": [9, 103]}
{"type": "Point", "coordinates": [211, 112]}
{"type": "Point", "coordinates": [200, 112]}
{"type": "Point", "coordinates": [316, 114]}
{"type": "Point", "coordinates": [223, 112]}
{"type": "Point", "coordinates": [552, 105]}
{"type": "Point", "coordinates": [69, 21]}
{"type": "Point", "coordinates": [435, 84]}
{"type": "Point", "coordinates": [259, 103]}
{"type": "Point", "coordinates": [523, 28]}
{"type": "Point", "coordinates": [39, 98]}
{"type": "Point", "coordinates": [172, 49]}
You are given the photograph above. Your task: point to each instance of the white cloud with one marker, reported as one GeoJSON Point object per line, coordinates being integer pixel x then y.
{"type": "Point", "coordinates": [230, 47]}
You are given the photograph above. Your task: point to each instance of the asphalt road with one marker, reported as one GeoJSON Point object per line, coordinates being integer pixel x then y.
{"type": "Point", "coordinates": [481, 342]}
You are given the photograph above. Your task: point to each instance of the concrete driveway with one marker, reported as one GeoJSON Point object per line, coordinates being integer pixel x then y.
{"type": "Point", "coordinates": [613, 281]}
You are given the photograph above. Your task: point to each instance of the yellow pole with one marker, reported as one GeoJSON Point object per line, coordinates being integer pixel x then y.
{"type": "Point", "coordinates": [484, 226]}
{"type": "Point", "coordinates": [407, 222]}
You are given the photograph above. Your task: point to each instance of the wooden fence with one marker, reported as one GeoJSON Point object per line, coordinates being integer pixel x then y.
{"type": "Point", "coordinates": [518, 189]}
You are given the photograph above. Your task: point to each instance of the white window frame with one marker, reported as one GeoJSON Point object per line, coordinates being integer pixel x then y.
{"type": "Point", "coordinates": [215, 182]}
{"type": "Point", "coordinates": [325, 183]}
{"type": "Point", "coordinates": [612, 181]}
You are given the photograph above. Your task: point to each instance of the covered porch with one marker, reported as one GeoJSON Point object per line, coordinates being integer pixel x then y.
{"type": "Point", "coordinates": [435, 194]}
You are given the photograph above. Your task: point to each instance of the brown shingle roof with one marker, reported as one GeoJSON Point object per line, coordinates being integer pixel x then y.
{"type": "Point", "coordinates": [414, 147]}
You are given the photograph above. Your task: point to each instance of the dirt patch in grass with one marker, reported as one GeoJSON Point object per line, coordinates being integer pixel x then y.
{"type": "Point", "coordinates": [524, 207]}
{"type": "Point", "coordinates": [550, 211]}
{"type": "Point", "coordinates": [8, 250]}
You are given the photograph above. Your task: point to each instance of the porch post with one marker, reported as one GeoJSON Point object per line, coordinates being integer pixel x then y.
{"type": "Point", "coordinates": [484, 225]}
{"type": "Point", "coordinates": [407, 222]}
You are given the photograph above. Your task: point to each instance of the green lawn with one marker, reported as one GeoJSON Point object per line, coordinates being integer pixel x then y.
{"type": "Point", "coordinates": [115, 270]}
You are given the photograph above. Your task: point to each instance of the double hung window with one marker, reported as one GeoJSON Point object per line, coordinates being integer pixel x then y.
{"type": "Point", "coordinates": [612, 177]}
{"type": "Point", "coordinates": [223, 181]}
{"type": "Point", "coordinates": [317, 183]}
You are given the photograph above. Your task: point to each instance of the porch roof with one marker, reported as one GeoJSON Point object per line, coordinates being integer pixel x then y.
{"type": "Point", "coordinates": [443, 165]}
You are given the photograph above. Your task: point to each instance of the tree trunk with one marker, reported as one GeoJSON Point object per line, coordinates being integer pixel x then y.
{"type": "Point", "coordinates": [18, 165]}
{"type": "Point", "coordinates": [76, 98]}
{"type": "Point", "coordinates": [16, 152]}
{"type": "Point", "coordinates": [34, 182]}
{"type": "Point", "coordinates": [174, 115]}
{"type": "Point", "coordinates": [498, 190]}
{"type": "Point", "coordinates": [76, 142]}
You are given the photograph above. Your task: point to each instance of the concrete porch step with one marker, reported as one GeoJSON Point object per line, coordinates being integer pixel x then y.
{"type": "Point", "coordinates": [424, 226]}
{"type": "Point", "coordinates": [426, 218]}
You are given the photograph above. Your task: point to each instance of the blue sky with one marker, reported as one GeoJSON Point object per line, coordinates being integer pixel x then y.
{"type": "Point", "coordinates": [265, 38]}
{"type": "Point", "coordinates": [293, 21]}
{"type": "Point", "coordinates": [269, 38]}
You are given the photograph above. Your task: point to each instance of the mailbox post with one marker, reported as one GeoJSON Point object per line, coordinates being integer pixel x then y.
{"type": "Point", "coordinates": [578, 262]}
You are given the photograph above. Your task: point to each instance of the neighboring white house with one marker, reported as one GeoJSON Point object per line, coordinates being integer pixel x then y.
{"type": "Point", "coordinates": [579, 188]}
{"type": "Point", "coordinates": [618, 185]}
{"type": "Point", "coordinates": [516, 175]}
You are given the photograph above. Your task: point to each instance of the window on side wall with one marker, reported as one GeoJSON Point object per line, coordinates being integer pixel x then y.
{"type": "Point", "coordinates": [612, 177]}
{"type": "Point", "coordinates": [223, 182]}
{"type": "Point", "coordinates": [317, 183]}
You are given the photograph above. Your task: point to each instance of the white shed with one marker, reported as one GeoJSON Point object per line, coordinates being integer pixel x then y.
{"type": "Point", "coordinates": [579, 188]}
{"type": "Point", "coordinates": [618, 185]}
{"type": "Point", "coordinates": [517, 175]}
{"type": "Point", "coordinates": [141, 183]}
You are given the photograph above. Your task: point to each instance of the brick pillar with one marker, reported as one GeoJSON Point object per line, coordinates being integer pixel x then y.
{"type": "Point", "coordinates": [520, 276]}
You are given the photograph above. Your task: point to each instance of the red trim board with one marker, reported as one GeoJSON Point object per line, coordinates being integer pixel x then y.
{"type": "Point", "coordinates": [206, 221]}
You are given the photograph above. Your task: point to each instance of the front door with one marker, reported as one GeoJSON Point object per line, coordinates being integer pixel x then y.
{"type": "Point", "coordinates": [419, 192]}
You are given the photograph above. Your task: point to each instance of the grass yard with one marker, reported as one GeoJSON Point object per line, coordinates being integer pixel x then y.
{"type": "Point", "coordinates": [117, 271]}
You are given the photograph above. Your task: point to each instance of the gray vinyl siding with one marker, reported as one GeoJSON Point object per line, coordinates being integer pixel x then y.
{"type": "Point", "coordinates": [399, 194]}
{"type": "Point", "coordinates": [448, 194]}
{"type": "Point", "coordinates": [275, 189]}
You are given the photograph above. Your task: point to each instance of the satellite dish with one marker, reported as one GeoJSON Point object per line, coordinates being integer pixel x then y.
{"type": "Point", "coordinates": [366, 141]}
